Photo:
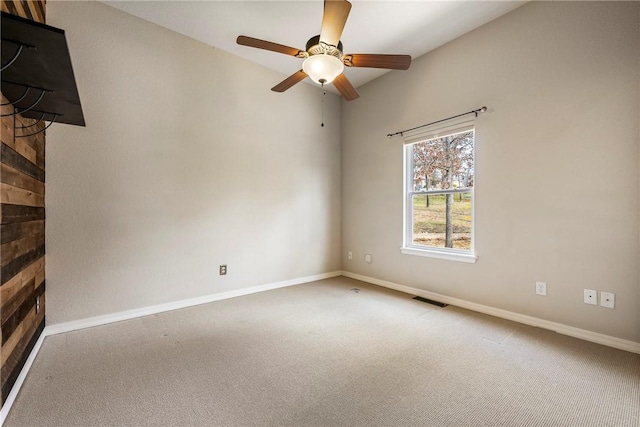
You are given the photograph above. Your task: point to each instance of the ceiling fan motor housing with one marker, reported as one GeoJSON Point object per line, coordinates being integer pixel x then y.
{"type": "Point", "coordinates": [316, 47]}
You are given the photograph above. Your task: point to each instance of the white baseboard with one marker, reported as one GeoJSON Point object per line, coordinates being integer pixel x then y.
{"type": "Point", "coordinates": [90, 322]}
{"type": "Point", "coordinates": [75, 325]}
{"type": "Point", "coordinates": [619, 343]}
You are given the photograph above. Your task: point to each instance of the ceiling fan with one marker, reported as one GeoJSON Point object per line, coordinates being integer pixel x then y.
{"type": "Point", "coordinates": [324, 60]}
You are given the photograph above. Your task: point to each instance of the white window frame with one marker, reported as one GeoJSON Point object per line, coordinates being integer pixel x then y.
{"type": "Point", "coordinates": [408, 247]}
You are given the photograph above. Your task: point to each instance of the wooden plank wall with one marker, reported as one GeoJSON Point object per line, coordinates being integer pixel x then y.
{"type": "Point", "coordinates": [22, 225]}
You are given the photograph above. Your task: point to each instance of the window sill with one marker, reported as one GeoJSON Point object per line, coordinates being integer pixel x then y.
{"type": "Point", "coordinates": [434, 253]}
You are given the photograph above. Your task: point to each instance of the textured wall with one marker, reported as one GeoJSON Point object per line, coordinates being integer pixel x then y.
{"type": "Point", "coordinates": [22, 229]}
{"type": "Point", "coordinates": [188, 161]}
{"type": "Point", "coordinates": [557, 163]}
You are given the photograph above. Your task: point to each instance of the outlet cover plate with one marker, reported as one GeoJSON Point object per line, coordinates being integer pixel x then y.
{"type": "Point", "coordinates": [590, 297]}
{"type": "Point", "coordinates": [607, 299]}
{"type": "Point", "coordinates": [350, 255]}
{"type": "Point", "coordinates": [541, 288]}
{"type": "Point", "coordinates": [223, 269]}
{"type": "Point", "coordinates": [368, 259]}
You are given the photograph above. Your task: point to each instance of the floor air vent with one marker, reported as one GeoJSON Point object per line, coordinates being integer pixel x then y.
{"type": "Point", "coordinates": [430, 301]}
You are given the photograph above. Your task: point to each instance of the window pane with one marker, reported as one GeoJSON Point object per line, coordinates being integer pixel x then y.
{"type": "Point", "coordinates": [432, 213]}
{"type": "Point", "coordinates": [443, 163]}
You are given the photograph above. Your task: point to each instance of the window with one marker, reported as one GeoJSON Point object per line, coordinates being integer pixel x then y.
{"type": "Point", "coordinates": [439, 180]}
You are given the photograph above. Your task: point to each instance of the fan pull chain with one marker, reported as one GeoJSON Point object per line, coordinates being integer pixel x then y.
{"type": "Point", "coordinates": [324, 94]}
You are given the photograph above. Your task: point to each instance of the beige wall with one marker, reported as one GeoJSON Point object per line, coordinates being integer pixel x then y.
{"type": "Point", "coordinates": [557, 196]}
{"type": "Point", "coordinates": [188, 161]}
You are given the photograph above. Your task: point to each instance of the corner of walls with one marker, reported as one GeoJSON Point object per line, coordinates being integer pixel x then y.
{"type": "Point", "coordinates": [80, 324]}
{"type": "Point", "coordinates": [188, 161]}
{"type": "Point", "coordinates": [562, 84]}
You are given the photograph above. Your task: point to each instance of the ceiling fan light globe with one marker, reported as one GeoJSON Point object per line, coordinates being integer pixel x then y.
{"type": "Point", "coordinates": [322, 68]}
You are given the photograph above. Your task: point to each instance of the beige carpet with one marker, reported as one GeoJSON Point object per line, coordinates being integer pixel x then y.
{"type": "Point", "coordinates": [322, 354]}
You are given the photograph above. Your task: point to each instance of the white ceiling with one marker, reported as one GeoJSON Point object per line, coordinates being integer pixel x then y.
{"type": "Point", "coordinates": [402, 27]}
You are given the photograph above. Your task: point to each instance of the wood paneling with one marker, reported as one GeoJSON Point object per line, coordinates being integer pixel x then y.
{"type": "Point", "coordinates": [16, 265]}
{"type": "Point", "coordinates": [10, 345]}
{"type": "Point", "coordinates": [25, 150]}
{"type": "Point", "coordinates": [18, 357]}
{"type": "Point", "coordinates": [17, 248]}
{"type": "Point", "coordinates": [11, 232]}
{"type": "Point", "coordinates": [22, 279]}
{"type": "Point", "coordinates": [34, 10]}
{"type": "Point", "coordinates": [31, 148]}
{"type": "Point", "coordinates": [14, 177]}
{"type": "Point", "coordinates": [19, 307]}
{"type": "Point", "coordinates": [12, 158]}
{"type": "Point", "coordinates": [7, 123]}
{"type": "Point", "coordinates": [11, 195]}
{"type": "Point", "coordinates": [22, 229]}
{"type": "Point", "coordinates": [16, 213]}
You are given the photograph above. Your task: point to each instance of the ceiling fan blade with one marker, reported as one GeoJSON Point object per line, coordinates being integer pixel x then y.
{"type": "Point", "coordinates": [333, 20]}
{"type": "Point", "coordinates": [345, 88]}
{"type": "Point", "coordinates": [289, 81]}
{"type": "Point", "coordinates": [392, 62]}
{"type": "Point", "coordinates": [263, 44]}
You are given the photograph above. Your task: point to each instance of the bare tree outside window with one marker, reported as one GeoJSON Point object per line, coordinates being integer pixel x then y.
{"type": "Point", "coordinates": [441, 197]}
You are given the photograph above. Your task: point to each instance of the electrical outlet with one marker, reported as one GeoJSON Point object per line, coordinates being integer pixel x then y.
{"type": "Point", "coordinates": [590, 297]}
{"type": "Point", "coordinates": [350, 255]}
{"type": "Point", "coordinates": [607, 299]}
{"type": "Point", "coordinates": [541, 288]}
{"type": "Point", "coordinates": [223, 269]}
{"type": "Point", "coordinates": [368, 259]}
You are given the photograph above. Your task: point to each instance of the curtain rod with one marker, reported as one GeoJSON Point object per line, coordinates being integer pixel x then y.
{"type": "Point", "coordinates": [479, 110]}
